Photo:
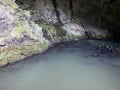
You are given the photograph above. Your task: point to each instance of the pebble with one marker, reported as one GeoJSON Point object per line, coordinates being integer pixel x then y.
{"type": "Point", "coordinates": [95, 55]}
{"type": "Point", "coordinates": [62, 45]}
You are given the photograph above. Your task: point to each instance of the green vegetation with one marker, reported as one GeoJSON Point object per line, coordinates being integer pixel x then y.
{"type": "Point", "coordinates": [14, 53]}
{"type": "Point", "coordinates": [11, 4]}
{"type": "Point", "coordinates": [53, 33]}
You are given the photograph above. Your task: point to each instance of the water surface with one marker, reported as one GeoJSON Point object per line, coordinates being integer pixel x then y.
{"type": "Point", "coordinates": [64, 68]}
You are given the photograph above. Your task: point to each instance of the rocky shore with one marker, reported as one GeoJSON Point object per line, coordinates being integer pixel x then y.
{"type": "Point", "coordinates": [22, 35]}
{"type": "Point", "coordinates": [108, 50]}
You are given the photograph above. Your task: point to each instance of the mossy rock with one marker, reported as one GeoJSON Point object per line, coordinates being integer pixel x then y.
{"type": "Point", "coordinates": [18, 32]}
{"type": "Point", "coordinates": [11, 3]}
{"type": "Point", "coordinates": [50, 29]}
{"type": "Point", "coordinates": [15, 53]}
{"type": "Point", "coordinates": [52, 32]}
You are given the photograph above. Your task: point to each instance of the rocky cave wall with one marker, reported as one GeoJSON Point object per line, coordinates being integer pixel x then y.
{"type": "Point", "coordinates": [30, 26]}
{"type": "Point", "coordinates": [100, 13]}
{"type": "Point", "coordinates": [19, 36]}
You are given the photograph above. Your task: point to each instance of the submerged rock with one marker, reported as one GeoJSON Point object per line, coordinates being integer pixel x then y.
{"type": "Point", "coordinates": [107, 50]}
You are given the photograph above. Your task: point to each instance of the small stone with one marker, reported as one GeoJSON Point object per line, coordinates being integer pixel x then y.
{"type": "Point", "coordinates": [107, 47]}
{"type": "Point", "coordinates": [95, 55]}
{"type": "Point", "coordinates": [62, 45]}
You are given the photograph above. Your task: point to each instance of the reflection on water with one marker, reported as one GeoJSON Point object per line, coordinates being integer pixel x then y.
{"type": "Point", "coordinates": [63, 68]}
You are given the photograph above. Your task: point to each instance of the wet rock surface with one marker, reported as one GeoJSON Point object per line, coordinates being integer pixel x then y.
{"type": "Point", "coordinates": [107, 50]}
{"type": "Point", "coordinates": [102, 50]}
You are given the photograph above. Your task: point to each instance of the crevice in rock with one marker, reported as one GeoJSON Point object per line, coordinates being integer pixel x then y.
{"type": "Point", "coordinates": [57, 12]}
{"type": "Point", "coordinates": [71, 9]}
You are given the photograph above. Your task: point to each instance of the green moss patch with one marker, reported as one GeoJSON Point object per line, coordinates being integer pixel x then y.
{"type": "Point", "coordinates": [14, 53]}
{"type": "Point", "coordinates": [53, 33]}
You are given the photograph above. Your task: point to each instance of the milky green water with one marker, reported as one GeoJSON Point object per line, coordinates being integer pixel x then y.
{"type": "Point", "coordinates": [63, 68]}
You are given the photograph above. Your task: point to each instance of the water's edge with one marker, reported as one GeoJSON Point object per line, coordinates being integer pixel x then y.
{"type": "Point", "coordinates": [50, 47]}
{"type": "Point", "coordinates": [54, 45]}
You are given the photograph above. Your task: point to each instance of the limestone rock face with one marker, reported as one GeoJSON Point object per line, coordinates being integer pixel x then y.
{"type": "Point", "coordinates": [16, 23]}
{"type": "Point", "coordinates": [53, 11]}
{"type": "Point", "coordinates": [6, 21]}
{"type": "Point", "coordinates": [44, 10]}
{"type": "Point", "coordinates": [103, 14]}
{"type": "Point", "coordinates": [74, 31]}
{"type": "Point", "coordinates": [19, 36]}
{"type": "Point", "coordinates": [77, 31]}
{"type": "Point", "coordinates": [66, 12]}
